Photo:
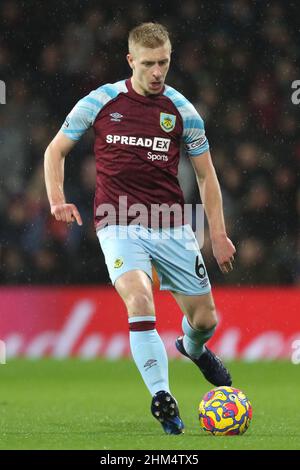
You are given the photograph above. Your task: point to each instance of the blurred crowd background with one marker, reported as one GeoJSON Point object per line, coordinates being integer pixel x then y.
{"type": "Point", "coordinates": [235, 60]}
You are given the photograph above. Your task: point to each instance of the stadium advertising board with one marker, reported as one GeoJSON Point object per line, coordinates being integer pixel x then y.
{"type": "Point", "coordinates": [89, 322]}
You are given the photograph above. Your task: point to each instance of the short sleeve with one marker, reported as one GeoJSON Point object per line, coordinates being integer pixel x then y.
{"type": "Point", "coordinates": [193, 134]}
{"type": "Point", "coordinates": [194, 138]}
{"type": "Point", "coordinates": [82, 116]}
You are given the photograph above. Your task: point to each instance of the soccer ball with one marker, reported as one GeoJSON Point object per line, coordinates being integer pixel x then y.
{"type": "Point", "coordinates": [225, 411]}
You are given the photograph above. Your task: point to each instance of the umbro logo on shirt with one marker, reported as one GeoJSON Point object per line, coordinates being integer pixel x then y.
{"type": "Point", "coordinates": [116, 117]}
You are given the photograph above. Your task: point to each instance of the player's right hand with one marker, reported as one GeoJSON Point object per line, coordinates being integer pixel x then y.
{"type": "Point", "coordinates": [66, 213]}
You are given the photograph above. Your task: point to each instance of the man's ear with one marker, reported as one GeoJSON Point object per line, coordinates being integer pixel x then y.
{"type": "Point", "coordinates": [130, 60]}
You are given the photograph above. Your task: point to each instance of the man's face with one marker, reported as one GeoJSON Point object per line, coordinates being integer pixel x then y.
{"type": "Point", "coordinates": [149, 68]}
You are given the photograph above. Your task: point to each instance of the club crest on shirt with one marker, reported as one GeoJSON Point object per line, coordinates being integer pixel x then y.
{"type": "Point", "coordinates": [167, 121]}
{"type": "Point", "coordinates": [118, 263]}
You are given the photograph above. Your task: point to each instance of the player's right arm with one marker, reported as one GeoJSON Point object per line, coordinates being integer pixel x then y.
{"type": "Point", "coordinates": [78, 121]}
{"type": "Point", "coordinates": [54, 163]}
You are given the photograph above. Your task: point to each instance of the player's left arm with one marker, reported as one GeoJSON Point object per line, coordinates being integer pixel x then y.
{"type": "Point", "coordinates": [223, 248]}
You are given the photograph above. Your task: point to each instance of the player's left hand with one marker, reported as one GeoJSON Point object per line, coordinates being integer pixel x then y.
{"type": "Point", "coordinates": [223, 250]}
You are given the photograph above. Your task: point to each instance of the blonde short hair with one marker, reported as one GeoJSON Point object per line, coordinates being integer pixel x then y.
{"type": "Point", "coordinates": [150, 35]}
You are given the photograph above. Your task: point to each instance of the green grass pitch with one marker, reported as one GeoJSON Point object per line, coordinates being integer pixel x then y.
{"type": "Point", "coordinates": [100, 404]}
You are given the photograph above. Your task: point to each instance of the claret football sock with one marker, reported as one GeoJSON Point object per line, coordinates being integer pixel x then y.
{"type": "Point", "coordinates": [149, 353]}
{"type": "Point", "coordinates": [194, 340]}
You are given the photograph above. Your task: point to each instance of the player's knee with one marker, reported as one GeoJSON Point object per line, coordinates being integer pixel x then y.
{"type": "Point", "coordinates": [204, 324]}
{"type": "Point", "coordinates": [204, 318]}
{"type": "Point", "coordinates": [140, 303]}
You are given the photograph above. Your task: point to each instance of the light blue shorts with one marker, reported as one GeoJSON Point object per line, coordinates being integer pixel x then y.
{"type": "Point", "coordinates": [174, 253]}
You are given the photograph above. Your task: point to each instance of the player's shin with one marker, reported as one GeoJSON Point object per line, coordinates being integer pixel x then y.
{"type": "Point", "coordinates": [149, 353]}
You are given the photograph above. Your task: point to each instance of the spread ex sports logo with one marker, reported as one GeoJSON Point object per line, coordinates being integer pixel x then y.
{"type": "Point", "coordinates": [158, 144]}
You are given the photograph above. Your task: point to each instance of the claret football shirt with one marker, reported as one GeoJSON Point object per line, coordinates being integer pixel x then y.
{"type": "Point", "coordinates": [137, 148]}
